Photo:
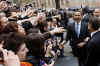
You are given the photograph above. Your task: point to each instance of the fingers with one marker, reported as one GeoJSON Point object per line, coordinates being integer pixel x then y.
{"type": "Point", "coordinates": [10, 53]}
{"type": "Point", "coordinates": [61, 27]}
{"type": "Point", "coordinates": [10, 59]}
{"type": "Point", "coordinates": [5, 54]}
{"type": "Point", "coordinates": [81, 44]}
{"type": "Point", "coordinates": [57, 30]}
{"type": "Point", "coordinates": [50, 47]}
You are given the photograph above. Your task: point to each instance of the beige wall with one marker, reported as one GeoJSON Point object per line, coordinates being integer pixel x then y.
{"type": "Point", "coordinates": [64, 3]}
{"type": "Point", "coordinates": [91, 3]}
{"type": "Point", "coordinates": [73, 3]}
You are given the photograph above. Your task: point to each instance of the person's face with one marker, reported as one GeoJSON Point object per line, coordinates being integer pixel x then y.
{"type": "Point", "coordinates": [22, 52]}
{"type": "Point", "coordinates": [14, 14]}
{"type": "Point", "coordinates": [15, 27]}
{"type": "Point", "coordinates": [4, 21]}
{"type": "Point", "coordinates": [54, 21]}
{"type": "Point", "coordinates": [96, 12]}
{"type": "Point", "coordinates": [2, 14]}
{"type": "Point", "coordinates": [21, 30]}
{"type": "Point", "coordinates": [49, 24]}
{"type": "Point", "coordinates": [77, 16]}
{"type": "Point", "coordinates": [59, 17]}
{"type": "Point", "coordinates": [41, 16]}
{"type": "Point", "coordinates": [3, 6]}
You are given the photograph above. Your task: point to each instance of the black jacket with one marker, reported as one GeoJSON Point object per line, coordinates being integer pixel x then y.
{"type": "Point", "coordinates": [93, 45]}
{"type": "Point", "coordinates": [74, 40]}
{"type": "Point", "coordinates": [72, 36]}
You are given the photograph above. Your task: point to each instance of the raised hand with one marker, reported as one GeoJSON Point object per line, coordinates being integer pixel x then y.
{"type": "Point", "coordinates": [57, 30]}
{"type": "Point", "coordinates": [10, 59]}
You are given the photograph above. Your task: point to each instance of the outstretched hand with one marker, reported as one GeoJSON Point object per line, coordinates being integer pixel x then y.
{"type": "Point", "coordinates": [10, 59]}
{"type": "Point", "coordinates": [57, 30]}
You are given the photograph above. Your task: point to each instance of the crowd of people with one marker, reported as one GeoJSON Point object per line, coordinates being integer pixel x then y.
{"type": "Point", "coordinates": [29, 37]}
{"type": "Point", "coordinates": [36, 37]}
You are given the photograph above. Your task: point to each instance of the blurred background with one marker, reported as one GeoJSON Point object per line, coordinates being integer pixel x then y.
{"type": "Point", "coordinates": [58, 3]}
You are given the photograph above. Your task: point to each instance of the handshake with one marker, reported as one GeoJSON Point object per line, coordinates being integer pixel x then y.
{"type": "Point", "coordinates": [57, 30]}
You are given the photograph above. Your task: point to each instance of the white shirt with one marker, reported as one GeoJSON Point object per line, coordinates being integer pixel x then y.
{"type": "Point", "coordinates": [79, 26]}
{"type": "Point", "coordinates": [93, 33]}
{"type": "Point", "coordinates": [19, 22]}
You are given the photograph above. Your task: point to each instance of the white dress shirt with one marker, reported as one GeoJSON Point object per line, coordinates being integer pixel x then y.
{"type": "Point", "coordinates": [78, 26]}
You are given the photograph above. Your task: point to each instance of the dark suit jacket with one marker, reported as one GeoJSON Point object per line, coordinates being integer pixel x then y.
{"type": "Point", "coordinates": [72, 36]}
{"type": "Point", "coordinates": [93, 56]}
{"type": "Point", "coordinates": [74, 40]}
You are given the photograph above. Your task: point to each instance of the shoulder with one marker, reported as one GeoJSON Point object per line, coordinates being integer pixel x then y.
{"type": "Point", "coordinates": [83, 22]}
{"type": "Point", "coordinates": [97, 35]}
{"type": "Point", "coordinates": [71, 25]}
{"type": "Point", "coordinates": [96, 38]}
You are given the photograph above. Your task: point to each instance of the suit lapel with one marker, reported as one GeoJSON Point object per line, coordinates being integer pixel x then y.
{"type": "Point", "coordinates": [74, 27]}
{"type": "Point", "coordinates": [81, 28]}
{"type": "Point", "coordinates": [95, 34]}
{"type": "Point", "coordinates": [74, 30]}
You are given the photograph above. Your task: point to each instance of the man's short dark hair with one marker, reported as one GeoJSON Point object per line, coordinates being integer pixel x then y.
{"type": "Point", "coordinates": [95, 22]}
{"type": "Point", "coordinates": [78, 11]}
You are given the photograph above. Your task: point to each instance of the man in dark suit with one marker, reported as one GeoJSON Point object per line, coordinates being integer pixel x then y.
{"type": "Point", "coordinates": [93, 45]}
{"type": "Point", "coordinates": [77, 33]}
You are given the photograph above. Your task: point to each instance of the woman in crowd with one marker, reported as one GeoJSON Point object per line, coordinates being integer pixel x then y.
{"type": "Point", "coordinates": [13, 27]}
{"type": "Point", "coordinates": [16, 42]}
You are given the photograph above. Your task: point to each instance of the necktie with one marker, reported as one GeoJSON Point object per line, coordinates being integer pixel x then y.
{"type": "Point", "coordinates": [77, 30]}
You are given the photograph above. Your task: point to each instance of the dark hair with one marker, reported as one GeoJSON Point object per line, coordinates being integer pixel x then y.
{"type": "Point", "coordinates": [14, 41]}
{"type": "Point", "coordinates": [27, 25]}
{"type": "Point", "coordinates": [94, 22]}
{"type": "Point", "coordinates": [2, 0]}
{"type": "Point", "coordinates": [85, 9]}
{"type": "Point", "coordinates": [42, 25]}
{"type": "Point", "coordinates": [3, 37]}
{"type": "Point", "coordinates": [32, 30]}
{"type": "Point", "coordinates": [78, 11]}
{"type": "Point", "coordinates": [35, 44]}
{"type": "Point", "coordinates": [11, 27]}
{"type": "Point", "coordinates": [1, 27]}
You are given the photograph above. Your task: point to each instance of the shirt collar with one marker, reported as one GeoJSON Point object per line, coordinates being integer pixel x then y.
{"type": "Point", "coordinates": [93, 33]}
{"type": "Point", "coordinates": [78, 23]}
